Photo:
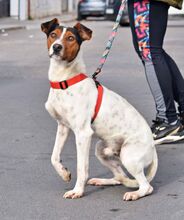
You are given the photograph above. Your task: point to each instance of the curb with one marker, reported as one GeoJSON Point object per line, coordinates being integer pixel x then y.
{"type": "Point", "coordinates": [30, 25]}
{"type": "Point", "coordinates": [2, 29]}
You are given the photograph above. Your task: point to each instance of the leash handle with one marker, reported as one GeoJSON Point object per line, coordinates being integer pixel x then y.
{"type": "Point", "coordinates": [110, 40]}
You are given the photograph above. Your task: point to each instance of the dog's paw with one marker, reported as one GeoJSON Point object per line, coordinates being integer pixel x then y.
{"type": "Point", "coordinates": [135, 195]}
{"type": "Point", "coordinates": [103, 182]}
{"type": "Point", "coordinates": [95, 182]}
{"type": "Point", "coordinates": [131, 196]}
{"type": "Point", "coordinates": [72, 194]}
{"type": "Point", "coordinates": [66, 175]}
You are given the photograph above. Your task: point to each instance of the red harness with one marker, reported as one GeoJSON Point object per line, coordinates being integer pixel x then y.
{"type": "Point", "coordinates": [67, 83]}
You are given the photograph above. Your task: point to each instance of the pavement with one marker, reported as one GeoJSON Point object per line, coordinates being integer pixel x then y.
{"type": "Point", "coordinates": [30, 189]}
{"type": "Point", "coordinates": [13, 23]}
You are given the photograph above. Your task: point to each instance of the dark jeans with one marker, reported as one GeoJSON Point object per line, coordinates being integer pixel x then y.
{"type": "Point", "coordinates": [148, 21]}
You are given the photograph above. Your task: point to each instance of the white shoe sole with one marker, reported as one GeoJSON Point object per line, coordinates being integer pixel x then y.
{"type": "Point", "coordinates": [169, 139]}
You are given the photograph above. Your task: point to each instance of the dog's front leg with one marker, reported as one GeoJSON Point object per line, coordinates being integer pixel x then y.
{"type": "Point", "coordinates": [61, 136]}
{"type": "Point", "coordinates": [83, 142]}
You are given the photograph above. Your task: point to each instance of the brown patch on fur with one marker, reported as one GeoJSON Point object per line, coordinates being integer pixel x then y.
{"type": "Point", "coordinates": [71, 40]}
{"type": "Point", "coordinates": [84, 32]}
{"type": "Point", "coordinates": [50, 40]}
{"type": "Point", "coordinates": [71, 46]}
{"type": "Point", "coordinates": [49, 26]}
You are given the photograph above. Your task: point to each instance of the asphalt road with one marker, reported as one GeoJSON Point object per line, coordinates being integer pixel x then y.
{"type": "Point", "coordinates": [30, 189]}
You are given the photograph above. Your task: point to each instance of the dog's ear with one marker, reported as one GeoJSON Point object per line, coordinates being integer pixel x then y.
{"type": "Point", "coordinates": [84, 32]}
{"type": "Point", "coordinates": [49, 26]}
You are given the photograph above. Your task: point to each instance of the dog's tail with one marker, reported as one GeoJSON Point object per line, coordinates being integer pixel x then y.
{"type": "Point", "coordinates": [151, 171]}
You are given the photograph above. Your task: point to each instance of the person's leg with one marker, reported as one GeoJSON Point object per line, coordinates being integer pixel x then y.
{"type": "Point", "coordinates": [144, 32]}
{"type": "Point", "coordinates": [178, 82]}
{"type": "Point", "coordinates": [148, 21]}
{"type": "Point", "coordinates": [158, 17]}
{"type": "Point", "coordinates": [132, 26]}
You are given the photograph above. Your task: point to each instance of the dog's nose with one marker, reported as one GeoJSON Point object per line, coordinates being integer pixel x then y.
{"type": "Point", "coordinates": [57, 48]}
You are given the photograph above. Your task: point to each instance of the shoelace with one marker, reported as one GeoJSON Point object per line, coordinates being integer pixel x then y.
{"type": "Point", "coordinates": [156, 123]}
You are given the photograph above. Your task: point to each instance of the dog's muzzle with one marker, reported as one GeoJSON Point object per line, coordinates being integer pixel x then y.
{"type": "Point", "coordinates": [57, 48]}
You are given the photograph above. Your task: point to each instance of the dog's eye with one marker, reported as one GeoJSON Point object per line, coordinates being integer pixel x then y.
{"type": "Point", "coordinates": [53, 35]}
{"type": "Point", "coordinates": [71, 38]}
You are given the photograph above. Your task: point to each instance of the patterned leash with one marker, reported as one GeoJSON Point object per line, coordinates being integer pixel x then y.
{"type": "Point", "coordinates": [111, 39]}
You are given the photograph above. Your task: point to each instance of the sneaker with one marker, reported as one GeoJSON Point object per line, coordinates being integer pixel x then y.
{"type": "Point", "coordinates": [157, 122]}
{"type": "Point", "coordinates": [178, 136]}
{"type": "Point", "coordinates": [167, 133]}
{"type": "Point", "coordinates": [181, 117]}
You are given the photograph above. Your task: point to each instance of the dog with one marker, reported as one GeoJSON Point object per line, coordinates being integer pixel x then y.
{"type": "Point", "coordinates": [77, 104]}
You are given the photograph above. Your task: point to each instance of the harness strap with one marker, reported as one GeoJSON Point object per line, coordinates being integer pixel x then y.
{"type": "Point", "coordinates": [67, 83]}
{"type": "Point", "coordinates": [99, 100]}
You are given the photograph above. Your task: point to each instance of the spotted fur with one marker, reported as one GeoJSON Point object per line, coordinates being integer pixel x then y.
{"type": "Point", "coordinates": [125, 136]}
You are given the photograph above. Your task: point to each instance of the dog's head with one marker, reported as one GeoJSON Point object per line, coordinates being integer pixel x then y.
{"type": "Point", "coordinates": [64, 42]}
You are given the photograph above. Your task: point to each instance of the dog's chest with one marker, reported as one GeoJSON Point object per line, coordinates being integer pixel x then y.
{"type": "Point", "coordinates": [70, 106]}
{"type": "Point", "coordinates": [60, 105]}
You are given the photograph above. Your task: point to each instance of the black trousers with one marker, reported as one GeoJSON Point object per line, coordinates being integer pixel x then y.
{"type": "Point", "coordinates": [148, 21]}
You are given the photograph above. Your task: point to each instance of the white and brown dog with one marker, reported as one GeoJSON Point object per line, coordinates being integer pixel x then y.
{"type": "Point", "coordinates": [74, 101]}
